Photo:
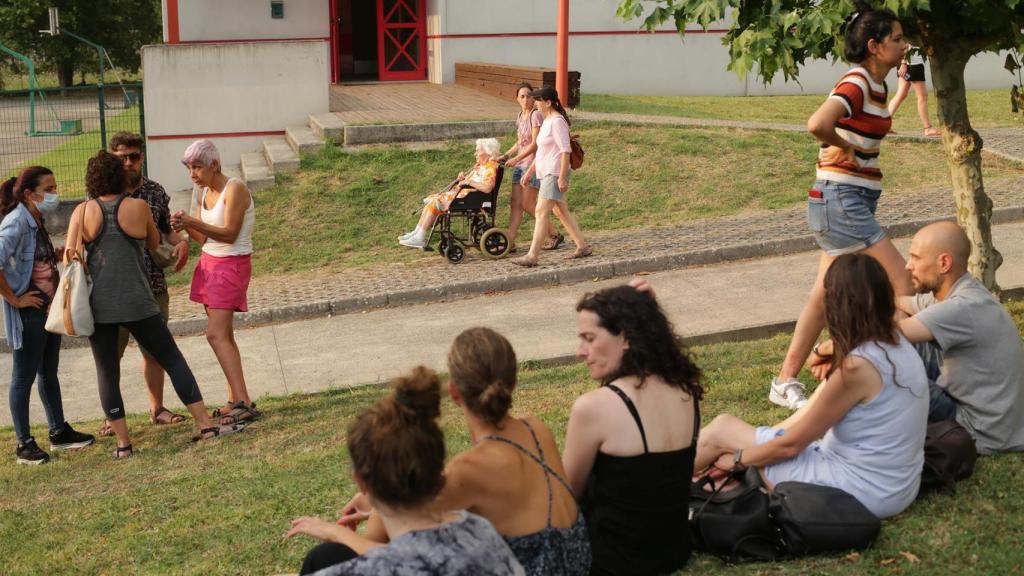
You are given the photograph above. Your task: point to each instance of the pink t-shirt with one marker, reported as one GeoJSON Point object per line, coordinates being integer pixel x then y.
{"type": "Point", "coordinates": [524, 134]}
{"type": "Point", "coordinates": [552, 142]}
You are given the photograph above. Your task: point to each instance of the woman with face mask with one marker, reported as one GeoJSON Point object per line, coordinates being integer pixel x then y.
{"type": "Point", "coordinates": [28, 283]}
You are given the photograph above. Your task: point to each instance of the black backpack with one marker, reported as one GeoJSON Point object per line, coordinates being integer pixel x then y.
{"type": "Point", "coordinates": [814, 519]}
{"type": "Point", "coordinates": [734, 524]}
{"type": "Point", "coordinates": [949, 455]}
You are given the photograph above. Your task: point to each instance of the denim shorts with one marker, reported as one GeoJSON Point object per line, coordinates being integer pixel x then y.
{"type": "Point", "coordinates": [842, 217]}
{"type": "Point", "coordinates": [517, 175]}
{"type": "Point", "coordinates": [549, 188]}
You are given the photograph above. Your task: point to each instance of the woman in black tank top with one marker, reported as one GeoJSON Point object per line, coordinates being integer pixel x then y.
{"type": "Point", "coordinates": [635, 487]}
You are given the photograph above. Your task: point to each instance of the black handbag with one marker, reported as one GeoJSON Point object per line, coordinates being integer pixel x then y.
{"type": "Point", "coordinates": [734, 524]}
{"type": "Point", "coordinates": [815, 519]}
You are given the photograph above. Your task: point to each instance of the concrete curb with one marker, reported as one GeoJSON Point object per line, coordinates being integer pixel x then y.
{"type": "Point", "coordinates": [541, 278]}
{"type": "Point", "coordinates": [384, 133]}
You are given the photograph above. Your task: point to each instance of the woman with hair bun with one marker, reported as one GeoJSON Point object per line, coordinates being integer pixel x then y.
{"type": "Point", "coordinates": [512, 476]}
{"type": "Point", "coordinates": [398, 453]}
{"type": "Point", "coordinates": [630, 444]}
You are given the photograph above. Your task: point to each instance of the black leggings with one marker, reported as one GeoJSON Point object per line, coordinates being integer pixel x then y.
{"type": "Point", "coordinates": [152, 334]}
{"type": "Point", "coordinates": [326, 554]}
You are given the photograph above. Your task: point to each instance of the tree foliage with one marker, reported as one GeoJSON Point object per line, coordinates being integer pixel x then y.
{"type": "Point", "coordinates": [778, 36]}
{"type": "Point", "coordinates": [120, 26]}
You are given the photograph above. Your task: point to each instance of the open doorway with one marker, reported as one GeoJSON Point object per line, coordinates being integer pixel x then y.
{"type": "Point", "coordinates": [357, 40]}
{"type": "Point", "coordinates": [378, 40]}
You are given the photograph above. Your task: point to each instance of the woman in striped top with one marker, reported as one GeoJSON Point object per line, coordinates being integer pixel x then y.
{"type": "Point", "coordinates": [850, 125]}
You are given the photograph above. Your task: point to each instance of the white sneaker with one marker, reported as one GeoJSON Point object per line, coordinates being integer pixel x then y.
{"type": "Point", "coordinates": [414, 242]}
{"type": "Point", "coordinates": [406, 236]}
{"type": "Point", "coordinates": [788, 393]}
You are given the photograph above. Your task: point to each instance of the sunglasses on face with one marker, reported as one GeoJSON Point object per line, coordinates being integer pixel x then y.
{"type": "Point", "coordinates": [131, 156]}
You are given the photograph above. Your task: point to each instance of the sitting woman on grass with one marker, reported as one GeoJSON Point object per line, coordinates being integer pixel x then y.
{"type": "Point", "coordinates": [481, 179]}
{"type": "Point", "coordinates": [398, 453]}
{"type": "Point", "coordinates": [870, 414]}
{"type": "Point", "coordinates": [630, 444]}
{"type": "Point", "coordinates": [512, 476]}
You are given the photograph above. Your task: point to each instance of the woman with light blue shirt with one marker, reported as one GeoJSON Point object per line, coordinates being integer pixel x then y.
{"type": "Point", "coordinates": [870, 414]}
{"type": "Point", "coordinates": [28, 284]}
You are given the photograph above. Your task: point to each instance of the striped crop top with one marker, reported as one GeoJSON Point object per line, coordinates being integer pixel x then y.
{"type": "Point", "coordinates": [866, 122]}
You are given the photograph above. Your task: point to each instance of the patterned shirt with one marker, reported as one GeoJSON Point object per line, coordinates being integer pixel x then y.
{"type": "Point", "coordinates": [160, 203]}
{"type": "Point", "coordinates": [866, 122]}
{"type": "Point", "coordinates": [468, 546]}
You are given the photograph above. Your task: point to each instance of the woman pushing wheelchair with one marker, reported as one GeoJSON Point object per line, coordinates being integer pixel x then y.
{"type": "Point", "coordinates": [480, 178]}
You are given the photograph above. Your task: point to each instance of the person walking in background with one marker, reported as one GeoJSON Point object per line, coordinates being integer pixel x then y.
{"type": "Point", "coordinates": [115, 230]}
{"type": "Point", "coordinates": [129, 148]}
{"type": "Point", "coordinates": [551, 165]}
{"type": "Point", "coordinates": [520, 157]}
{"type": "Point", "coordinates": [28, 284]}
{"type": "Point", "coordinates": [841, 205]}
{"type": "Point", "coordinates": [222, 223]}
{"type": "Point", "coordinates": [911, 76]}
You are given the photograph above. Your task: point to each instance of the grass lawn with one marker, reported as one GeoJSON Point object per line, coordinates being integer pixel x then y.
{"type": "Point", "coordinates": [68, 160]}
{"type": "Point", "coordinates": [345, 209]}
{"type": "Point", "coordinates": [221, 507]}
{"type": "Point", "coordinates": [987, 108]}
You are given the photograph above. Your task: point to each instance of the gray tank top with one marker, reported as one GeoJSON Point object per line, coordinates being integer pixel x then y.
{"type": "Point", "coordinates": [120, 283]}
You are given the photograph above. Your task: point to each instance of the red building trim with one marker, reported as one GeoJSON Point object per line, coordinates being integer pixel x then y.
{"type": "Point", "coordinates": [173, 35]}
{"type": "Point", "coordinates": [576, 33]}
{"type": "Point", "coordinates": [213, 135]}
{"type": "Point", "coordinates": [244, 40]}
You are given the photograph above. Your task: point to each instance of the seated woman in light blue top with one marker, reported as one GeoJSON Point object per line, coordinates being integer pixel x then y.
{"type": "Point", "coordinates": [870, 414]}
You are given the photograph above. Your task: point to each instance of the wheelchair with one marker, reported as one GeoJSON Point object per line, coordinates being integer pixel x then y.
{"type": "Point", "coordinates": [475, 216]}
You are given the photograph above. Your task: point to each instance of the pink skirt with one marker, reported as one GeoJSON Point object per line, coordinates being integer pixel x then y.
{"type": "Point", "coordinates": [221, 282]}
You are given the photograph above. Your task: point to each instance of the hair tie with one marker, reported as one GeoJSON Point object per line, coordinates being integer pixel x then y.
{"type": "Point", "coordinates": [402, 398]}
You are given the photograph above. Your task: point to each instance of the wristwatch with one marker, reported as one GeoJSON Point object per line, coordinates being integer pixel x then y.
{"type": "Point", "coordinates": [736, 463]}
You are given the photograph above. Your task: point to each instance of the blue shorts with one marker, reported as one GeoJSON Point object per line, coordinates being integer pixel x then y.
{"type": "Point", "coordinates": [842, 217]}
{"type": "Point", "coordinates": [517, 175]}
{"type": "Point", "coordinates": [549, 188]}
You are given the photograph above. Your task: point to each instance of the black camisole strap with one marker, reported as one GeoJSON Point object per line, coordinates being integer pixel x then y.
{"type": "Point", "coordinates": [633, 411]}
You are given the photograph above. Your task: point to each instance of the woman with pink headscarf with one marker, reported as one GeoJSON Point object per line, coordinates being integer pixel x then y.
{"type": "Point", "coordinates": [222, 220]}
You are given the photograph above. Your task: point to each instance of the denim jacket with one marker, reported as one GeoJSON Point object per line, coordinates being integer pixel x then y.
{"type": "Point", "coordinates": [17, 257]}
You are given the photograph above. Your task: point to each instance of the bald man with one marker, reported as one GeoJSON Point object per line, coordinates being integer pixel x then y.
{"type": "Point", "coordinates": [970, 345]}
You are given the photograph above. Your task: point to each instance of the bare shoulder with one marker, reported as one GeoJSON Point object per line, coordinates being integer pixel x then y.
{"type": "Point", "coordinates": [594, 404]}
{"type": "Point", "coordinates": [236, 188]}
{"type": "Point", "coordinates": [476, 466]}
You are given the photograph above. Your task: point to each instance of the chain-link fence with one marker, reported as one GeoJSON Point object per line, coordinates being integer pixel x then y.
{"type": "Point", "coordinates": [61, 128]}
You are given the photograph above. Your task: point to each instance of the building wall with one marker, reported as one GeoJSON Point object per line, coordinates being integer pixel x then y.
{"type": "Point", "coordinates": [213, 20]}
{"type": "Point", "coordinates": [236, 92]}
{"type": "Point", "coordinates": [613, 58]}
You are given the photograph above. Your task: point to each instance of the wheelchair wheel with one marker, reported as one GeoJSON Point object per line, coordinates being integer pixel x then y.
{"type": "Point", "coordinates": [479, 229]}
{"type": "Point", "coordinates": [442, 244]}
{"type": "Point", "coordinates": [454, 253]}
{"type": "Point", "coordinates": [494, 243]}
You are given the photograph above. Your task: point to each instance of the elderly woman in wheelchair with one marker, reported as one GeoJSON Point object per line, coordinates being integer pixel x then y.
{"type": "Point", "coordinates": [482, 178]}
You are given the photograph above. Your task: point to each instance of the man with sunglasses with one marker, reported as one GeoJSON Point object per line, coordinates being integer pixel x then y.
{"type": "Point", "coordinates": [129, 147]}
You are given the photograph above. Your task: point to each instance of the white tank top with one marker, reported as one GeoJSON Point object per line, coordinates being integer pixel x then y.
{"type": "Point", "coordinates": [215, 217]}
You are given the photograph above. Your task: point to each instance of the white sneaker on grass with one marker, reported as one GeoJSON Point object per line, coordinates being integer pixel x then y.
{"type": "Point", "coordinates": [414, 242]}
{"type": "Point", "coordinates": [788, 393]}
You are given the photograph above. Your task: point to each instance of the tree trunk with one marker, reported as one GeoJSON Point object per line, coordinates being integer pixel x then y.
{"type": "Point", "coordinates": [66, 73]}
{"type": "Point", "coordinates": [963, 151]}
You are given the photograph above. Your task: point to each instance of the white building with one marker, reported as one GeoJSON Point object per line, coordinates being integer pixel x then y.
{"type": "Point", "coordinates": [237, 71]}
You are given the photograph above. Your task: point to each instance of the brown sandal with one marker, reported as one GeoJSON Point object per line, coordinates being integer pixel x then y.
{"type": "Point", "coordinates": [154, 417]}
{"type": "Point", "coordinates": [580, 253]}
{"type": "Point", "coordinates": [106, 430]}
{"type": "Point", "coordinates": [555, 241]}
{"type": "Point", "coordinates": [240, 414]}
{"type": "Point", "coordinates": [524, 261]}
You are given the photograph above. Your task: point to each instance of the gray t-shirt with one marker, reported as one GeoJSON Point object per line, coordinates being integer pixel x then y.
{"type": "Point", "coordinates": [982, 362]}
{"type": "Point", "coordinates": [469, 546]}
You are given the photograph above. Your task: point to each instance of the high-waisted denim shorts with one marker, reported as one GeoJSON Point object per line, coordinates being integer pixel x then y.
{"type": "Point", "coordinates": [517, 175]}
{"type": "Point", "coordinates": [842, 217]}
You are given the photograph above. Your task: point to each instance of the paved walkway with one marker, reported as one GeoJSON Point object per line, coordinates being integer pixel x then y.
{"type": "Point", "coordinates": [751, 297]}
{"type": "Point", "coordinates": [416, 103]}
{"type": "Point", "coordinates": [761, 233]}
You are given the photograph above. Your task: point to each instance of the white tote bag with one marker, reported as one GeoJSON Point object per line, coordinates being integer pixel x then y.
{"type": "Point", "coordinates": [70, 312]}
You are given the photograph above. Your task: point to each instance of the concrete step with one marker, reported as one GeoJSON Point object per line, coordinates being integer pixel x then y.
{"type": "Point", "coordinates": [232, 170]}
{"type": "Point", "coordinates": [328, 126]}
{"type": "Point", "coordinates": [280, 156]}
{"type": "Point", "coordinates": [256, 172]}
{"type": "Point", "coordinates": [303, 140]}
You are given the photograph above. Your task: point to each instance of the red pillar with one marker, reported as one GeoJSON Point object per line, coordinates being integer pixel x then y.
{"type": "Point", "coordinates": [562, 53]}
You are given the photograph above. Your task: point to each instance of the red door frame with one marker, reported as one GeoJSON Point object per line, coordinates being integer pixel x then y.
{"type": "Point", "coordinates": [419, 36]}
{"type": "Point", "coordinates": [335, 42]}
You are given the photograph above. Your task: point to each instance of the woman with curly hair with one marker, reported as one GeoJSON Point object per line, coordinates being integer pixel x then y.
{"type": "Point", "coordinates": [115, 230]}
{"type": "Point", "coordinates": [870, 414]}
{"type": "Point", "coordinates": [630, 444]}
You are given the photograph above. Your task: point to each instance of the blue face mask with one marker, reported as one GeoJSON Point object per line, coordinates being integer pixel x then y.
{"type": "Point", "coordinates": [49, 204]}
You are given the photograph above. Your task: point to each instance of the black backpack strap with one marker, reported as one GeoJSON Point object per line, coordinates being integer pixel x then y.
{"type": "Point", "coordinates": [633, 411]}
